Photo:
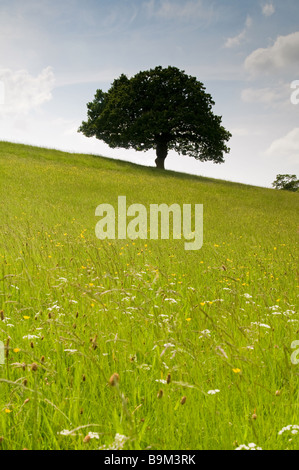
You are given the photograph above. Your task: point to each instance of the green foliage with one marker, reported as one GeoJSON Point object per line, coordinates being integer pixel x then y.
{"type": "Point", "coordinates": [286, 182]}
{"type": "Point", "coordinates": [162, 108]}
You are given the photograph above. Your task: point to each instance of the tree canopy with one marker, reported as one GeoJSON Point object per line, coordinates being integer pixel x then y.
{"type": "Point", "coordinates": [286, 182]}
{"type": "Point", "coordinates": [162, 108]}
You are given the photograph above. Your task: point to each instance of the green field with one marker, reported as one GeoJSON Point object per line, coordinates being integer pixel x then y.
{"type": "Point", "coordinates": [201, 340]}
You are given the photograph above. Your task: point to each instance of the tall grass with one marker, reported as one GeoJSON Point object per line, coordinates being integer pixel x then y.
{"type": "Point", "coordinates": [200, 340]}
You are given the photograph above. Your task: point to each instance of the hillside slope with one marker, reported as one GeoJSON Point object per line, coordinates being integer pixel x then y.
{"type": "Point", "coordinates": [214, 326]}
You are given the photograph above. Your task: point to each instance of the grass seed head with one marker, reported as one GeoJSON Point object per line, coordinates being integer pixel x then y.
{"type": "Point", "coordinates": [114, 379]}
{"type": "Point", "coordinates": [7, 348]}
{"type": "Point", "coordinates": [183, 400]}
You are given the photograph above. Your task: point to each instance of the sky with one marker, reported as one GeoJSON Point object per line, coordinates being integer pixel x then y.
{"type": "Point", "coordinates": [54, 55]}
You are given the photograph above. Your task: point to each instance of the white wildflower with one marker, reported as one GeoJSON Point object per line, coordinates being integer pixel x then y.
{"type": "Point", "coordinates": [94, 435]}
{"type": "Point", "coordinates": [205, 333]}
{"type": "Point", "coordinates": [54, 307]}
{"type": "Point", "coordinates": [250, 446]}
{"type": "Point", "coordinates": [6, 319]}
{"type": "Point", "coordinates": [263, 325]}
{"type": "Point", "coordinates": [145, 367]}
{"type": "Point", "coordinates": [213, 392]}
{"type": "Point", "coordinates": [118, 444]}
{"type": "Point", "coordinates": [290, 427]}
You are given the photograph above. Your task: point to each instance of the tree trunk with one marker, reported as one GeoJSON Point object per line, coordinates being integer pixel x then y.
{"type": "Point", "coordinates": [161, 151]}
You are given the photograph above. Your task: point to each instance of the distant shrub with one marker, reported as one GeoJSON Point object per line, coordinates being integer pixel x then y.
{"type": "Point", "coordinates": [286, 182]}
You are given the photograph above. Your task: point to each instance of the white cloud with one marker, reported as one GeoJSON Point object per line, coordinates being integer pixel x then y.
{"type": "Point", "coordinates": [239, 131]}
{"type": "Point", "coordinates": [2, 93]}
{"type": "Point", "coordinates": [237, 40]}
{"type": "Point", "coordinates": [170, 9]}
{"type": "Point", "coordinates": [105, 75]}
{"type": "Point", "coordinates": [283, 53]}
{"type": "Point", "coordinates": [244, 132]}
{"type": "Point", "coordinates": [286, 147]}
{"type": "Point", "coordinates": [272, 97]}
{"type": "Point", "coordinates": [22, 92]}
{"type": "Point", "coordinates": [268, 9]}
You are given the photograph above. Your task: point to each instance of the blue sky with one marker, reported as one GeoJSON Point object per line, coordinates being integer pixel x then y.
{"type": "Point", "coordinates": [55, 54]}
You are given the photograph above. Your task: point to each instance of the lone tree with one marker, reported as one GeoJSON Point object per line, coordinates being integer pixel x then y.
{"type": "Point", "coordinates": [286, 182]}
{"type": "Point", "coordinates": [162, 108]}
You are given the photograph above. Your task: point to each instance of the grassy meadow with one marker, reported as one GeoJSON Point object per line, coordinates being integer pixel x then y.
{"type": "Point", "coordinates": [199, 341]}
